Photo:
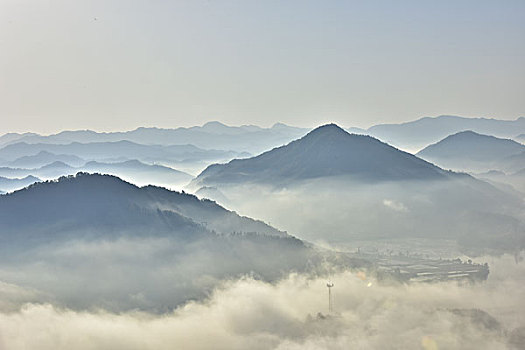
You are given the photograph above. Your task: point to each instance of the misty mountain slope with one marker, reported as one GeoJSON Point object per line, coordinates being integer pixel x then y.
{"type": "Point", "coordinates": [468, 150]}
{"type": "Point", "coordinates": [14, 172]}
{"type": "Point", "coordinates": [131, 170]}
{"type": "Point", "coordinates": [209, 214]}
{"type": "Point", "coordinates": [212, 193]}
{"type": "Point", "coordinates": [89, 204]}
{"type": "Point", "coordinates": [140, 173]}
{"type": "Point", "coordinates": [97, 241]}
{"type": "Point", "coordinates": [13, 137]}
{"type": "Point", "coordinates": [12, 184]}
{"type": "Point", "coordinates": [327, 151]}
{"type": "Point", "coordinates": [516, 180]}
{"type": "Point", "coordinates": [43, 158]}
{"type": "Point", "coordinates": [512, 164]}
{"type": "Point", "coordinates": [337, 187]}
{"type": "Point", "coordinates": [425, 131]}
{"type": "Point", "coordinates": [468, 212]}
{"type": "Point", "coordinates": [118, 150]}
{"type": "Point", "coordinates": [50, 171]}
{"type": "Point", "coordinates": [107, 203]}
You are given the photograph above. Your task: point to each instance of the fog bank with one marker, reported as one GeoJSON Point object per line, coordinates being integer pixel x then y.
{"type": "Point", "coordinates": [247, 313]}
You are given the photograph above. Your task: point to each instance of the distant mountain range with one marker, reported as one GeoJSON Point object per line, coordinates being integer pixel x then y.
{"type": "Point", "coordinates": [192, 149]}
{"type": "Point", "coordinates": [43, 158]}
{"type": "Point", "coordinates": [328, 151]}
{"type": "Point", "coordinates": [46, 172]}
{"type": "Point", "coordinates": [132, 170]}
{"type": "Point", "coordinates": [212, 135]}
{"type": "Point", "coordinates": [112, 151]}
{"type": "Point", "coordinates": [411, 136]}
{"type": "Point", "coordinates": [11, 184]}
{"type": "Point", "coordinates": [420, 133]}
{"type": "Point", "coordinates": [470, 151]}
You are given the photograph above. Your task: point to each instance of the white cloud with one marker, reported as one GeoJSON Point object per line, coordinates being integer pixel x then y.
{"type": "Point", "coordinates": [248, 313]}
{"type": "Point", "coordinates": [397, 206]}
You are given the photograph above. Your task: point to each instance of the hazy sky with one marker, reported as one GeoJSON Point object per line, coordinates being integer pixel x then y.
{"type": "Point", "coordinates": [109, 65]}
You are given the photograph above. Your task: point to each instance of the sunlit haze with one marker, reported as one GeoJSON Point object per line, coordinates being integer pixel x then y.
{"type": "Point", "coordinates": [117, 65]}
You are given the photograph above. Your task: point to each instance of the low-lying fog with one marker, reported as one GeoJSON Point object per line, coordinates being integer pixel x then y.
{"type": "Point", "coordinates": [247, 313]}
{"type": "Point", "coordinates": [155, 293]}
{"type": "Point", "coordinates": [341, 213]}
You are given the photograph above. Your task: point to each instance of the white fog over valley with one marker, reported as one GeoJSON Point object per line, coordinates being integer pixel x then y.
{"type": "Point", "coordinates": [262, 175]}
{"type": "Point", "coordinates": [420, 257]}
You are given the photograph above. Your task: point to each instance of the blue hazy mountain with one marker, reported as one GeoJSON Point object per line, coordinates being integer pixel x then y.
{"type": "Point", "coordinates": [97, 241]}
{"type": "Point", "coordinates": [108, 203]}
{"type": "Point", "coordinates": [123, 150]}
{"type": "Point", "coordinates": [44, 158]}
{"type": "Point", "coordinates": [470, 151]}
{"type": "Point", "coordinates": [377, 191]}
{"type": "Point", "coordinates": [420, 133]}
{"type": "Point", "coordinates": [140, 173]}
{"type": "Point", "coordinates": [213, 193]}
{"type": "Point", "coordinates": [12, 184]}
{"type": "Point", "coordinates": [132, 170]}
{"type": "Point", "coordinates": [212, 135]}
{"type": "Point", "coordinates": [413, 135]}
{"type": "Point", "coordinates": [513, 163]}
{"type": "Point", "coordinates": [13, 137]}
{"type": "Point", "coordinates": [515, 179]}
{"type": "Point", "coordinates": [327, 151]}
{"type": "Point", "coordinates": [46, 172]}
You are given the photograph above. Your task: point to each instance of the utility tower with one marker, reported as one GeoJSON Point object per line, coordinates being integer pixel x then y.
{"type": "Point", "coordinates": [330, 302]}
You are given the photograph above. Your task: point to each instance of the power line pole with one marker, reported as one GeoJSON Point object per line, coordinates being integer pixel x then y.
{"type": "Point", "coordinates": [330, 306]}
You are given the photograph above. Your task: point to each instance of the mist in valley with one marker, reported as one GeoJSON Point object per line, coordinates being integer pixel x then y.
{"type": "Point", "coordinates": [262, 175]}
{"type": "Point", "coordinates": [288, 314]}
{"type": "Point", "coordinates": [420, 257]}
{"type": "Point", "coordinates": [341, 211]}
{"type": "Point", "coordinates": [138, 288]}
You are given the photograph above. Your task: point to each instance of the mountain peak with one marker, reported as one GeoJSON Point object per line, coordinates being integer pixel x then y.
{"type": "Point", "coordinates": [332, 127]}
{"type": "Point", "coordinates": [327, 131]}
{"type": "Point", "coordinates": [56, 164]}
{"type": "Point", "coordinates": [214, 124]}
{"type": "Point", "coordinates": [471, 146]}
{"type": "Point", "coordinates": [327, 151]}
{"type": "Point", "coordinates": [467, 132]}
{"type": "Point", "coordinates": [472, 136]}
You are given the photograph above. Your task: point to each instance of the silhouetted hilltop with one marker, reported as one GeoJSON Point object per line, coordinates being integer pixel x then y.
{"type": "Point", "coordinates": [424, 131]}
{"type": "Point", "coordinates": [473, 146]}
{"type": "Point", "coordinates": [324, 152]}
{"type": "Point", "coordinates": [101, 203]}
{"type": "Point", "coordinates": [469, 150]}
